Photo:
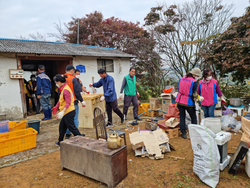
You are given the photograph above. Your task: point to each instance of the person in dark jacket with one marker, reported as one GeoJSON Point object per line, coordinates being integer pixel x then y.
{"type": "Point", "coordinates": [44, 92]}
{"type": "Point", "coordinates": [110, 97]}
{"type": "Point", "coordinates": [130, 93]}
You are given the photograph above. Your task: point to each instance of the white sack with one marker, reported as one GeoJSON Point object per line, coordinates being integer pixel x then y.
{"type": "Point", "coordinates": [206, 154]}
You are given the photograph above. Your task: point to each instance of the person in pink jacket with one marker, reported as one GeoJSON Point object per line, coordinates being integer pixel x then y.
{"type": "Point", "coordinates": [209, 89]}
{"type": "Point", "coordinates": [186, 98]}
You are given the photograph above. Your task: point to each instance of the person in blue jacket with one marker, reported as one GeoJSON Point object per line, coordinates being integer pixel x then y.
{"type": "Point", "coordinates": [43, 90]}
{"type": "Point", "coordinates": [110, 97]}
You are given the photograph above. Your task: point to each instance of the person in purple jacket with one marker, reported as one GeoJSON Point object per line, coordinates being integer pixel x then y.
{"type": "Point", "coordinates": [209, 89]}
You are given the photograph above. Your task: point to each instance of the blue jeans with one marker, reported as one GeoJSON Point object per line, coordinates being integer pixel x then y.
{"type": "Point", "coordinates": [45, 101]}
{"type": "Point", "coordinates": [209, 111]}
{"type": "Point", "coordinates": [76, 121]}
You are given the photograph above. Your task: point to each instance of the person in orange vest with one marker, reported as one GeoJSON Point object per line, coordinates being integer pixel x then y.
{"type": "Point", "coordinates": [66, 107]}
{"type": "Point", "coordinates": [76, 90]}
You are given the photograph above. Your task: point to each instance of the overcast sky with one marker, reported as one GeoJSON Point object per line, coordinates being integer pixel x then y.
{"type": "Point", "coordinates": [24, 17]}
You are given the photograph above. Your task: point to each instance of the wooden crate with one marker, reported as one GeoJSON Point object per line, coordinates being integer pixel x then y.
{"type": "Point", "coordinates": [173, 133]}
{"type": "Point", "coordinates": [93, 158]}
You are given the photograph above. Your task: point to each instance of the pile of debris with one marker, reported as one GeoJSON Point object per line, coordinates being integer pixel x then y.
{"type": "Point", "coordinates": [152, 144]}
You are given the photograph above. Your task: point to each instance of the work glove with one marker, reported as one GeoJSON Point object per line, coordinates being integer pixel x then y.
{"type": "Point", "coordinates": [223, 100]}
{"type": "Point", "coordinates": [88, 92]}
{"type": "Point", "coordinates": [60, 115]}
{"type": "Point", "coordinates": [54, 110]}
{"type": "Point", "coordinates": [138, 95]}
{"type": "Point", "coordinates": [83, 103]}
{"type": "Point", "coordinates": [90, 85]}
{"type": "Point", "coordinates": [200, 98]}
{"type": "Point", "coordinates": [102, 98]}
{"type": "Point", "coordinates": [81, 93]}
{"type": "Point", "coordinates": [121, 96]}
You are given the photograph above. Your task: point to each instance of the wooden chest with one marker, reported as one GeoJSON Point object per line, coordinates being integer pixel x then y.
{"type": "Point", "coordinates": [93, 158]}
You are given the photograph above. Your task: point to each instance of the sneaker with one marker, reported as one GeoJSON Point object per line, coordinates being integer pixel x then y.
{"type": "Point", "coordinates": [122, 120]}
{"type": "Point", "coordinates": [67, 136]}
{"type": "Point", "coordinates": [138, 119]}
{"type": "Point", "coordinates": [109, 125]}
{"type": "Point", "coordinates": [57, 144]}
{"type": "Point", "coordinates": [184, 136]}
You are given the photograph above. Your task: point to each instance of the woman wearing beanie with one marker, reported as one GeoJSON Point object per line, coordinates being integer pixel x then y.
{"type": "Point", "coordinates": [66, 107]}
{"type": "Point", "coordinates": [185, 98]}
{"type": "Point", "coordinates": [209, 89]}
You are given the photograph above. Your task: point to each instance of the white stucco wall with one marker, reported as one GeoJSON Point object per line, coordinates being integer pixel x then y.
{"type": "Point", "coordinates": [10, 94]}
{"type": "Point", "coordinates": [121, 69]}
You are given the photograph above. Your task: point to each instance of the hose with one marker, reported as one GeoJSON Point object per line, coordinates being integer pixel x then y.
{"type": "Point", "coordinates": [153, 110]}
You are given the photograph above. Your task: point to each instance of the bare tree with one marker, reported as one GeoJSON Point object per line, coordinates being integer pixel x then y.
{"type": "Point", "coordinates": [35, 36]}
{"type": "Point", "coordinates": [180, 31]}
{"type": "Point", "coordinates": [62, 30]}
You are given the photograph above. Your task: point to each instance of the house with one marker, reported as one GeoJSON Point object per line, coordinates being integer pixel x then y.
{"type": "Point", "coordinates": [27, 55]}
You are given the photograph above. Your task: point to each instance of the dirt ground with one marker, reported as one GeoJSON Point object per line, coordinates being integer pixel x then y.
{"type": "Point", "coordinates": [45, 170]}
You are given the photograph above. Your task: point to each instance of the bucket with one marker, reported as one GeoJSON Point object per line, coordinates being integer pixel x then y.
{"type": "Point", "coordinates": [35, 124]}
{"type": "Point", "coordinates": [213, 123]}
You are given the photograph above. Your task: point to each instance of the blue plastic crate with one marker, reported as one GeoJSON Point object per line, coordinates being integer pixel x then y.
{"type": "Point", "coordinates": [4, 126]}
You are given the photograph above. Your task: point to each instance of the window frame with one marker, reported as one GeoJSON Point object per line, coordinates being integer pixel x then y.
{"type": "Point", "coordinates": [105, 67]}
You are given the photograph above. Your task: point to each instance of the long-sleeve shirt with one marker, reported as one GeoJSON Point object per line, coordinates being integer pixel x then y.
{"type": "Point", "coordinates": [77, 91]}
{"type": "Point", "coordinates": [66, 96]}
{"type": "Point", "coordinates": [43, 84]}
{"type": "Point", "coordinates": [124, 82]}
{"type": "Point", "coordinates": [108, 84]}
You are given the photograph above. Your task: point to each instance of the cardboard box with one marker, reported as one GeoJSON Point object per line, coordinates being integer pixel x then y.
{"type": "Point", "coordinates": [217, 113]}
{"type": "Point", "coordinates": [153, 113]}
{"type": "Point", "coordinates": [172, 122]}
{"type": "Point", "coordinates": [151, 140]}
{"type": "Point", "coordinates": [173, 133]}
{"type": "Point", "coordinates": [165, 104]}
{"type": "Point", "coordinates": [154, 103]}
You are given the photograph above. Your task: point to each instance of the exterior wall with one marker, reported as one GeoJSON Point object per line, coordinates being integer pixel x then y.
{"type": "Point", "coordinates": [10, 94]}
{"type": "Point", "coordinates": [121, 69]}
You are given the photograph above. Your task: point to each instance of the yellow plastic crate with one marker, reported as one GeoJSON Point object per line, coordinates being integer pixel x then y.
{"type": "Point", "coordinates": [143, 108]}
{"type": "Point", "coordinates": [16, 141]}
{"type": "Point", "coordinates": [17, 125]}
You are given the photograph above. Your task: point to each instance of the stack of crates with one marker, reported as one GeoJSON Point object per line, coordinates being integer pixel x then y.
{"type": "Point", "coordinates": [14, 137]}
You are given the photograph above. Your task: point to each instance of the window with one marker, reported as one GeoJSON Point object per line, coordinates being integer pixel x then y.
{"type": "Point", "coordinates": [106, 64]}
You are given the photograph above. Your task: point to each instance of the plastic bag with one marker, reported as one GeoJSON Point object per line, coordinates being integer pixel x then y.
{"type": "Point", "coordinates": [173, 111]}
{"type": "Point", "coordinates": [229, 123]}
{"type": "Point", "coordinates": [227, 111]}
{"type": "Point", "coordinates": [206, 154]}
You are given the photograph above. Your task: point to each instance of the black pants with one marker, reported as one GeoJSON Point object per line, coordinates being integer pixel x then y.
{"type": "Point", "coordinates": [113, 105]}
{"type": "Point", "coordinates": [27, 102]}
{"type": "Point", "coordinates": [192, 113]}
{"type": "Point", "coordinates": [127, 101]}
{"type": "Point", "coordinates": [38, 105]}
{"type": "Point", "coordinates": [68, 122]}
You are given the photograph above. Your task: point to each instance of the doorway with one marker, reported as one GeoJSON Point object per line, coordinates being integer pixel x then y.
{"type": "Point", "coordinates": [53, 66]}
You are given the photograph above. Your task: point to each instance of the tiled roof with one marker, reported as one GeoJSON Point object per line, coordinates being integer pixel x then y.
{"type": "Point", "coordinates": [57, 48]}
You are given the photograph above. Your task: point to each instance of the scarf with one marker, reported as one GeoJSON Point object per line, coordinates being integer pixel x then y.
{"type": "Point", "coordinates": [205, 82]}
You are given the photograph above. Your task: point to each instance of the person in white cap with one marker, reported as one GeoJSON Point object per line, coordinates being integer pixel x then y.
{"type": "Point", "coordinates": [185, 98]}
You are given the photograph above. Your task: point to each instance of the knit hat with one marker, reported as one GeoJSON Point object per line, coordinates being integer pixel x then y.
{"type": "Point", "coordinates": [196, 71]}
{"type": "Point", "coordinates": [70, 67]}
